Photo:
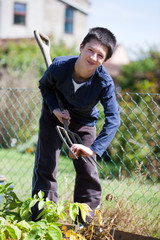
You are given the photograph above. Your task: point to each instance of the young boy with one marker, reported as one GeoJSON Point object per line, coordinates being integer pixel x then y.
{"type": "Point", "coordinates": [82, 82]}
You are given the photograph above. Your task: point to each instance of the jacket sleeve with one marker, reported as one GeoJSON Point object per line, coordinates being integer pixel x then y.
{"type": "Point", "coordinates": [112, 120]}
{"type": "Point", "coordinates": [46, 86]}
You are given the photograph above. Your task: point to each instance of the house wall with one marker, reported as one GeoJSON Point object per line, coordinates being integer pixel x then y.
{"type": "Point", "coordinates": [34, 17]}
{"type": "Point", "coordinates": [46, 16]}
{"type": "Point", "coordinates": [0, 15]}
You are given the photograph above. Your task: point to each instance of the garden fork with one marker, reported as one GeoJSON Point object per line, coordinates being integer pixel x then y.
{"type": "Point", "coordinates": [68, 137]}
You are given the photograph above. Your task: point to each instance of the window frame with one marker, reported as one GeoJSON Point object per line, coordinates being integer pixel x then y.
{"type": "Point", "coordinates": [19, 13]}
{"type": "Point", "coordinates": [69, 20]}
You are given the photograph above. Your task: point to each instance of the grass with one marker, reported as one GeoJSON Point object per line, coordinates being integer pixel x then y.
{"type": "Point", "coordinates": [137, 197]}
{"type": "Point", "coordinates": [139, 206]}
{"type": "Point", "coordinates": [18, 168]}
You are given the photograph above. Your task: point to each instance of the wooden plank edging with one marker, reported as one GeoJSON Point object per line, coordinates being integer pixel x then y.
{"type": "Point", "coordinates": [121, 235]}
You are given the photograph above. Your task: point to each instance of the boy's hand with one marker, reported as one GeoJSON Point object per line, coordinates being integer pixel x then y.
{"type": "Point", "coordinates": [80, 150]}
{"type": "Point", "coordinates": [62, 114]}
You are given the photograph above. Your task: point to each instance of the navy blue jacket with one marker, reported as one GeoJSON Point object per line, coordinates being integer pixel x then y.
{"type": "Point", "coordinates": [82, 104]}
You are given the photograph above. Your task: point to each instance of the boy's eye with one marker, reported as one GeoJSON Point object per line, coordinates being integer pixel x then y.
{"type": "Point", "coordinates": [90, 50]}
{"type": "Point", "coordinates": [100, 56]}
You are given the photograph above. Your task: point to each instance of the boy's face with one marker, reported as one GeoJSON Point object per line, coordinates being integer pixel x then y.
{"type": "Point", "coordinates": [93, 54]}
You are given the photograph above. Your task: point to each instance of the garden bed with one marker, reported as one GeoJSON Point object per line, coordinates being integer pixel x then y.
{"type": "Point", "coordinates": [100, 233]}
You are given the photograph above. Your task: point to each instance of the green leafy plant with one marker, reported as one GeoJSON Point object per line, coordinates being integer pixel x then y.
{"type": "Point", "coordinates": [141, 75]}
{"type": "Point", "coordinates": [16, 222]}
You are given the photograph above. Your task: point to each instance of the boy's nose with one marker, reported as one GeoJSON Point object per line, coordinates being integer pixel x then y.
{"type": "Point", "coordinates": [94, 57]}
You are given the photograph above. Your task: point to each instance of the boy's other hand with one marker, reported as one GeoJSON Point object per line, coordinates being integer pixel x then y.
{"type": "Point", "coordinates": [80, 150]}
{"type": "Point", "coordinates": [62, 115]}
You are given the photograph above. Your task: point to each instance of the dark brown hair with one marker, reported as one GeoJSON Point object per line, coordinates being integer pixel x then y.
{"type": "Point", "coordinates": [104, 36]}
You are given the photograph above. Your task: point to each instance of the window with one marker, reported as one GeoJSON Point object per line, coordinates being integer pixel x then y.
{"type": "Point", "coordinates": [19, 13]}
{"type": "Point", "coordinates": [69, 20]}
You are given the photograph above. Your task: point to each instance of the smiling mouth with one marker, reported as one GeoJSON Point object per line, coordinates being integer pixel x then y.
{"type": "Point", "coordinates": [91, 63]}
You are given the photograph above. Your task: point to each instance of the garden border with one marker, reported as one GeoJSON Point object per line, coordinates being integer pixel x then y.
{"type": "Point", "coordinates": [121, 235]}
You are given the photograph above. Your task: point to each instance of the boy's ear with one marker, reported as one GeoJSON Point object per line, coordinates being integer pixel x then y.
{"type": "Point", "coordinates": [81, 47]}
{"type": "Point", "coordinates": [105, 60]}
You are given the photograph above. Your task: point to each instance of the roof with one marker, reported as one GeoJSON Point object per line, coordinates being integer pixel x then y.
{"type": "Point", "coordinates": [118, 59]}
{"type": "Point", "coordinates": [76, 6]}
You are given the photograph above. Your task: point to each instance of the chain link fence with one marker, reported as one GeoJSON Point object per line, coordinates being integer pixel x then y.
{"type": "Point", "coordinates": [131, 164]}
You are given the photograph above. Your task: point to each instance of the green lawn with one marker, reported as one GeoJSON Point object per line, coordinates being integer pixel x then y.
{"type": "Point", "coordinates": [137, 199]}
{"type": "Point", "coordinates": [18, 168]}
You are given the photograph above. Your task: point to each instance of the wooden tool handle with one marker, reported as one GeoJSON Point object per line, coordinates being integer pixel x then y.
{"type": "Point", "coordinates": [44, 44]}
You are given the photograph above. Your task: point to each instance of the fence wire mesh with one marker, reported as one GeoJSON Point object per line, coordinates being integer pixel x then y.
{"type": "Point", "coordinates": [131, 164]}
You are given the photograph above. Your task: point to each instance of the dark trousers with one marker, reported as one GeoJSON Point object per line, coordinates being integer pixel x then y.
{"type": "Point", "coordinates": [87, 184]}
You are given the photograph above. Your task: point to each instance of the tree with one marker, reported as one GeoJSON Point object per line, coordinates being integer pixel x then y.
{"type": "Point", "coordinates": [142, 75]}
